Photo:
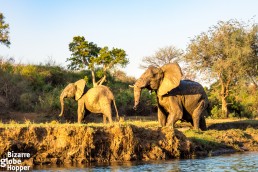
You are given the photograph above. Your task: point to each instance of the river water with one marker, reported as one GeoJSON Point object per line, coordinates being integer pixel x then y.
{"type": "Point", "coordinates": [232, 162]}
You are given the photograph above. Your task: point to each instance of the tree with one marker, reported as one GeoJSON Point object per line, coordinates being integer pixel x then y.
{"type": "Point", "coordinates": [228, 52]}
{"type": "Point", "coordinates": [121, 76]}
{"type": "Point", "coordinates": [4, 31]}
{"type": "Point", "coordinates": [162, 56]}
{"type": "Point", "coordinates": [88, 54]}
{"type": "Point", "coordinates": [167, 55]}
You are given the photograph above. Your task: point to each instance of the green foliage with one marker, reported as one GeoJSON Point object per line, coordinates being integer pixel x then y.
{"type": "Point", "coordinates": [26, 101]}
{"type": "Point", "coordinates": [87, 54]}
{"type": "Point", "coordinates": [34, 87]}
{"type": "Point", "coordinates": [216, 112]}
{"type": "Point", "coordinates": [49, 101]}
{"type": "Point", "coordinates": [4, 31]}
{"type": "Point", "coordinates": [228, 52]}
{"type": "Point", "coordinates": [83, 53]}
{"type": "Point", "coordinates": [125, 100]}
{"type": "Point", "coordinates": [148, 103]}
{"type": "Point", "coordinates": [242, 103]}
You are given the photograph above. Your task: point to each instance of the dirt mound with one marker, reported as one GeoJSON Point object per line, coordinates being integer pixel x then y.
{"type": "Point", "coordinates": [82, 144]}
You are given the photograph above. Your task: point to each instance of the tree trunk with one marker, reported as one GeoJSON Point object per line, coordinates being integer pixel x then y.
{"type": "Point", "coordinates": [103, 79]}
{"type": "Point", "coordinates": [93, 78]}
{"type": "Point", "coordinates": [224, 107]}
{"type": "Point", "coordinates": [224, 94]}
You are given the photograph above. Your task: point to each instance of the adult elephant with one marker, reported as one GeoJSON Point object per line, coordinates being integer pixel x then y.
{"type": "Point", "coordinates": [96, 100]}
{"type": "Point", "coordinates": [177, 99]}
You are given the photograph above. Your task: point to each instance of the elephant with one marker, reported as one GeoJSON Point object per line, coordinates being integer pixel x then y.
{"type": "Point", "coordinates": [177, 99]}
{"type": "Point", "coordinates": [94, 100]}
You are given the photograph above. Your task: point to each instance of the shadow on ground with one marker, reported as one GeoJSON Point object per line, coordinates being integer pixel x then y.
{"type": "Point", "coordinates": [243, 125]}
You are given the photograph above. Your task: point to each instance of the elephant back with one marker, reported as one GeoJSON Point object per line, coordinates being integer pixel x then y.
{"type": "Point", "coordinates": [100, 92]}
{"type": "Point", "coordinates": [106, 91]}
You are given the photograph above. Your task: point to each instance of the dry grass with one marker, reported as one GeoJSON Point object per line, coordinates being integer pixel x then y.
{"type": "Point", "coordinates": [137, 121]}
{"type": "Point", "coordinates": [140, 121]}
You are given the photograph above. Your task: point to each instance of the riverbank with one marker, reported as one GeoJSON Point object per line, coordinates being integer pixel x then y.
{"type": "Point", "coordinates": [55, 143]}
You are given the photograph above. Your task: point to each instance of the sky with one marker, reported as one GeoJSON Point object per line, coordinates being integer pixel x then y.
{"type": "Point", "coordinates": [42, 30]}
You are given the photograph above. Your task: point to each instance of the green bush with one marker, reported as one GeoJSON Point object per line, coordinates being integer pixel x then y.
{"type": "Point", "coordinates": [49, 101]}
{"type": "Point", "coordinates": [27, 102]}
{"type": "Point", "coordinates": [125, 102]}
{"type": "Point", "coordinates": [216, 112]}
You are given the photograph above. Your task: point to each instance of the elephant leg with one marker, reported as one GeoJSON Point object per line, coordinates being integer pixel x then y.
{"type": "Point", "coordinates": [107, 113]}
{"type": "Point", "coordinates": [109, 116]}
{"type": "Point", "coordinates": [161, 117]}
{"type": "Point", "coordinates": [175, 113]}
{"type": "Point", "coordinates": [173, 117]}
{"type": "Point", "coordinates": [80, 111]}
{"type": "Point", "coordinates": [197, 115]}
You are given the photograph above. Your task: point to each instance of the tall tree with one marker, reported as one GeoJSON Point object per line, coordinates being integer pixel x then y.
{"type": "Point", "coordinates": [89, 55]}
{"type": "Point", "coordinates": [162, 56]}
{"type": "Point", "coordinates": [4, 31]}
{"type": "Point", "coordinates": [228, 51]}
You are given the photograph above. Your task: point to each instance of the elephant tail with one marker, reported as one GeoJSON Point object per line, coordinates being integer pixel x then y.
{"type": "Point", "coordinates": [117, 116]}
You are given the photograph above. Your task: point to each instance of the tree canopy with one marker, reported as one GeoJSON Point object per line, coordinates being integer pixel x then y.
{"type": "Point", "coordinates": [88, 55]}
{"type": "Point", "coordinates": [4, 31]}
{"type": "Point", "coordinates": [228, 52]}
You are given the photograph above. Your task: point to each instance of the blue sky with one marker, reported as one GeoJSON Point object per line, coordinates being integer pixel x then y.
{"type": "Point", "coordinates": [43, 29]}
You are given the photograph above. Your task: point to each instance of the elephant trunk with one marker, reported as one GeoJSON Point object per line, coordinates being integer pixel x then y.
{"type": "Point", "coordinates": [62, 96]}
{"type": "Point", "coordinates": [137, 95]}
{"type": "Point", "coordinates": [138, 86]}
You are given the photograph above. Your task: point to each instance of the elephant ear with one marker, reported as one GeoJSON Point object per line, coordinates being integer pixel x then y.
{"type": "Point", "coordinates": [80, 85]}
{"type": "Point", "coordinates": [171, 79]}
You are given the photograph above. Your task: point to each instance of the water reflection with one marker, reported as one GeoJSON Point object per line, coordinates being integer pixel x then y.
{"type": "Point", "coordinates": [233, 162]}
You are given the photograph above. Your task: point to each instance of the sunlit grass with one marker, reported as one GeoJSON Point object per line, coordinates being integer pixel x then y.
{"type": "Point", "coordinates": [137, 121]}
{"type": "Point", "coordinates": [55, 123]}
{"type": "Point", "coordinates": [205, 135]}
{"type": "Point", "coordinates": [225, 120]}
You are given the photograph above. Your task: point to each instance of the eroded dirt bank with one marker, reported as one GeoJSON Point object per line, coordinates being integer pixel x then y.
{"type": "Point", "coordinates": [82, 144]}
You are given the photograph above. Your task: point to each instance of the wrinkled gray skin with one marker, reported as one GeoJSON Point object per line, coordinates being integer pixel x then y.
{"type": "Point", "coordinates": [96, 100]}
{"type": "Point", "coordinates": [177, 99]}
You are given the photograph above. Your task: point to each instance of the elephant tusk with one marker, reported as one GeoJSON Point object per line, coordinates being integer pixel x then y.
{"type": "Point", "coordinates": [132, 86]}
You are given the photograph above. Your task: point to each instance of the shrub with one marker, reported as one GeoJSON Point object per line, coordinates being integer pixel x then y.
{"type": "Point", "coordinates": [27, 102]}
{"type": "Point", "coordinates": [125, 101]}
{"type": "Point", "coordinates": [216, 112]}
{"type": "Point", "coordinates": [49, 101]}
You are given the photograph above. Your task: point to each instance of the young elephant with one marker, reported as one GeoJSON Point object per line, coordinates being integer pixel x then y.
{"type": "Point", "coordinates": [96, 100]}
{"type": "Point", "coordinates": [177, 99]}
